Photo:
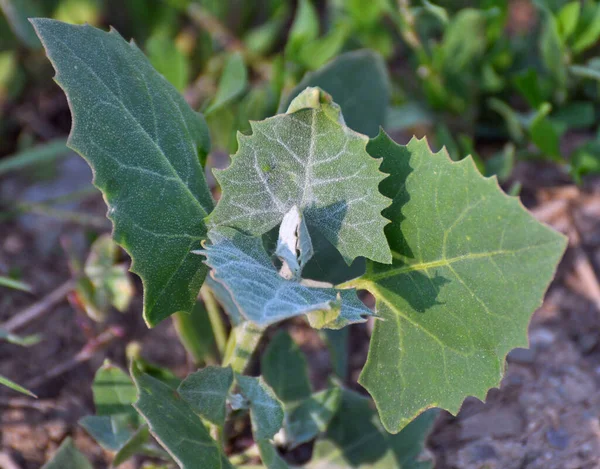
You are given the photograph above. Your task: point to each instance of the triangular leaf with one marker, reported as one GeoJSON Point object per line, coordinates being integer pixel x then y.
{"type": "Point", "coordinates": [242, 266]}
{"type": "Point", "coordinates": [175, 425]}
{"type": "Point", "coordinates": [266, 413]}
{"type": "Point", "coordinates": [143, 142]}
{"type": "Point", "coordinates": [307, 158]}
{"type": "Point", "coordinates": [111, 432]}
{"type": "Point", "coordinates": [68, 457]}
{"type": "Point", "coordinates": [114, 392]}
{"type": "Point", "coordinates": [206, 391]}
{"type": "Point", "coordinates": [470, 267]}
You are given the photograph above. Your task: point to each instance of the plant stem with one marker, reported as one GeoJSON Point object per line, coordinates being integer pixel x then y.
{"type": "Point", "coordinates": [241, 345]}
{"type": "Point", "coordinates": [215, 318]}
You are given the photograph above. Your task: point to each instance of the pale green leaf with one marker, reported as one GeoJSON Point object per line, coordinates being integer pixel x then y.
{"type": "Point", "coordinates": [233, 82]}
{"type": "Point", "coordinates": [175, 425]}
{"type": "Point", "coordinates": [168, 59]}
{"type": "Point", "coordinates": [294, 245]}
{"type": "Point", "coordinates": [567, 18]}
{"type": "Point", "coordinates": [310, 159]}
{"type": "Point", "coordinates": [114, 392]}
{"type": "Point", "coordinates": [317, 53]}
{"type": "Point", "coordinates": [356, 439]}
{"type": "Point", "coordinates": [14, 284]}
{"type": "Point", "coordinates": [17, 13]}
{"type": "Point", "coordinates": [284, 368]}
{"type": "Point", "coordinates": [363, 94]}
{"type": "Point", "coordinates": [206, 392]}
{"type": "Point", "coordinates": [240, 263]}
{"type": "Point", "coordinates": [68, 457]}
{"type": "Point", "coordinates": [312, 416]}
{"type": "Point", "coordinates": [590, 34]}
{"type": "Point", "coordinates": [143, 142]}
{"type": "Point", "coordinates": [305, 28]}
{"type": "Point", "coordinates": [14, 386]}
{"type": "Point", "coordinates": [266, 413]}
{"type": "Point", "coordinates": [591, 70]}
{"type": "Point", "coordinates": [111, 432]}
{"type": "Point", "coordinates": [553, 50]}
{"type": "Point", "coordinates": [196, 335]}
{"type": "Point", "coordinates": [24, 341]}
{"type": "Point", "coordinates": [470, 267]}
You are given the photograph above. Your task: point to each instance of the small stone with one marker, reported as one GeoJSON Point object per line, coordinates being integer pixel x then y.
{"type": "Point", "coordinates": [541, 338]}
{"type": "Point", "coordinates": [523, 356]}
{"type": "Point", "coordinates": [558, 439]}
{"type": "Point", "coordinates": [499, 423]}
{"type": "Point", "coordinates": [483, 452]}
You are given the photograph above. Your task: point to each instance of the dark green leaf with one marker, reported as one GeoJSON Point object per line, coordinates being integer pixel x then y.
{"type": "Point", "coordinates": [470, 267]}
{"type": "Point", "coordinates": [111, 432]}
{"type": "Point", "coordinates": [233, 82]}
{"type": "Point", "coordinates": [195, 333]}
{"type": "Point", "coordinates": [266, 413]}
{"type": "Point", "coordinates": [143, 142]}
{"type": "Point", "coordinates": [114, 392]}
{"type": "Point", "coordinates": [175, 425]}
{"type": "Point", "coordinates": [363, 94]}
{"type": "Point", "coordinates": [206, 392]}
{"type": "Point", "coordinates": [68, 457]}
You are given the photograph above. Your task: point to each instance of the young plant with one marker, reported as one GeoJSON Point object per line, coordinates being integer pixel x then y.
{"type": "Point", "coordinates": [456, 266]}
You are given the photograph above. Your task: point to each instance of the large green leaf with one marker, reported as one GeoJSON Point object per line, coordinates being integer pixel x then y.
{"type": "Point", "coordinates": [470, 267]}
{"type": "Point", "coordinates": [356, 439]}
{"type": "Point", "coordinates": [307, 158]}
{"type": "Point", "coordinates": [358, 81]}
{"type": "Point", "coordinates": [68, 457]}
{"type": "Point", "coordinates": [143, 143]}
{"type": "Point", "coordinates": [242, 266]}
{"type": "Point", "coordinates": [206, 391]}
{"type": "Point", "coordinates": [175, 425]}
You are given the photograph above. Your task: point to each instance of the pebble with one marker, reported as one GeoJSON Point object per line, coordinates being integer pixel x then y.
{"type": "Point", "coordinates": [523, 356]}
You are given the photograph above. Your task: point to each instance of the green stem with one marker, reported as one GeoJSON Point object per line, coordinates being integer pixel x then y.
{"type": "Point", "coordinates": [215, 318]}
{"type": "Point", "coordinates": [241, 345]}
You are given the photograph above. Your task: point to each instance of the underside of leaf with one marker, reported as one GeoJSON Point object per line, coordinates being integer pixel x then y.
{"type": "Point", "coordinates": [310, 159]}
{"type": "Point", "coordinates": [241, 265]}
{"type": "Point", "coordinates": [143, 142]}
{"type": "Point", "coordinates": [470, 267]}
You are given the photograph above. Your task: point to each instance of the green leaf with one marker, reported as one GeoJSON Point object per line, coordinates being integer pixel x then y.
{"type": "Point", "coordinates": [175, 425]}
{"type": "Point", "coordinates": [14, 386]}
{"type": "Point", "coordinates": [132, 446]}
{"type": "Point", "coordinates": [111, 432]}
{"type": "Point", "coordinates": [470, 267]}
{"type": "Point", "coordinates": [307, 158]}
{"type": "Point", "coordinates": [545, 134]}
{"type": "Point", "coordinates": [143, 142]}
{"type": "Point", "coordinates": [270, 457]}
{"type": "Point", "coordinates": [266, 413]}
{"type": "Point", "coordinates": [233, 82]}
{"type": "Point", "coordinates": [464, 40]}
{"type": "Point", "coordinates": [14, 284]}
{"type": "Point", "coordinates": [242, 266]}
{"type": "Point", "coordinates": [355, 439]}
{"type": "Point", "coordinates": [68, 457]}
{"type": "Point", "coordinates": [166, 58]}
{"type": "Point", "coordinates": [591, 70]}
{"type": "Point", "coordinates": [24, 341]}
{"type": "Point", "coordinates": [196, 335]}
{"type": "Point", "coordinates": [284, 368]}
{"type": "Point", "coordinates": [590, 34]}
{"type": "Point", "coordinates": [363, 94]}
{"type": "Point", "coordinates": [338, 342]}
{"type": "Point", "coordinates": [114, 392]}
{"type": "Point", "coordinates": [528, 84]}
{"type": "Point", "coordinates": [206, 392]}
{"type": "Point", "coordinates": [567, 18]}
{"type": "Point", "coordinates": [305, 28]}
{"type": "Point", "coordinates": [312, 416]}
{"type": "Point", "coordinates": [317, 53]}
{"type": "Point", "coordinates": [17, 12]}
{"type": "Point", "coordinates": [553, 50]}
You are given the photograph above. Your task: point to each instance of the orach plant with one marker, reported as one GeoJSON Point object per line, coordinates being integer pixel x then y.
{"type": "Point", "coordinates": [455, 265]}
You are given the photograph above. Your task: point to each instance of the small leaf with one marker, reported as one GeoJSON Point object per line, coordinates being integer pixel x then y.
{"type": "Point", "coordinates": [591, 70]}
{"type": "Point", "coordinates": [284, 368]}
{"type": "Point", "coordinates": [363, 95]}
{"type": "Point", "coordinates": [143, 142]}
{"type": "Point", "coordinates": [338, 342]}
{"type": "Point", "coordinates": [132, 446]}
{"type": "Point", "coordinates": [305, 28]}
{"type": "Point", "coordinates": [266, 413]}
{"type": "Point", "coordinates": [111, 432]}
{"type": "Point", "coordinates": [553, 50]}
{"type": "Point", "coordinates": [17, 12]}
{"type": "Point", "coordinates": [114, 392]}
{"type": "Point", "coordinates": [206, 392]}
{"type": "Point", "coordinates": [242, 266]}
{"type": "Point", "coordinates": [270, 457]}
{"type": "Point", "coordinates": [233, 82]}
{"type": "Point", "coordinates": [355, 439]}
{"type": "Point", "coordinates": [567, 18]}
{"type": "Point", "coordinates": [175, 425]}
{"type": "Point", "coordinates": [470, 267]}
{"type": "Point", "coordinates": [545, 134]}
{"type": "Point", "coordinates": [68, 457]}
{"type": "Point", "coordinates": [311, 417]}
{"type": "Point", "coordinates": [15, 387]}
{"type": "Point", "coordinates": [14, 284]}
{"type": "Point", "coordinates": [307, 158]}
{"type": "Point", "coordinates": [23, 341]}
{"type": "Point", "coordinates": [528, 84]}
{"type": "Point", "coordinates": [196, 335]}
{"type": "Point", "coordinates": [590, 34]}
{"type": "Point", "coordinates": [168, 59]}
